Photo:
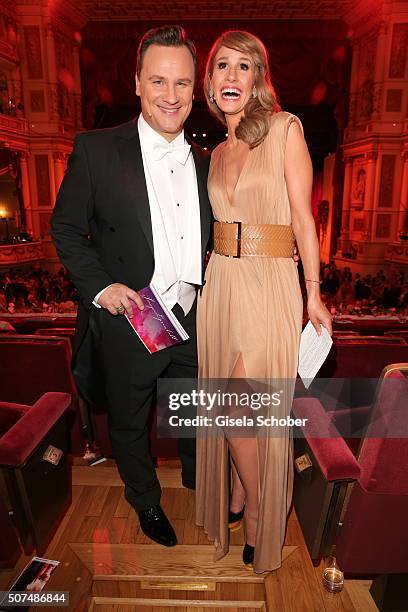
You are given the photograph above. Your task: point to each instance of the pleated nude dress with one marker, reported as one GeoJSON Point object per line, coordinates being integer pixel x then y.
{"type": "Point", "coordinates": [251, 307]}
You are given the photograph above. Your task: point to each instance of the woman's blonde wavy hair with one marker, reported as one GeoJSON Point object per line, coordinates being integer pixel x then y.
{"type": "Point", "coordinates": [254, 125]}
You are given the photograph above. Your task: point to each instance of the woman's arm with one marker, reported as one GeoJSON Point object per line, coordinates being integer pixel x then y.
{"type": "Point", "coordinates": [299, 179]}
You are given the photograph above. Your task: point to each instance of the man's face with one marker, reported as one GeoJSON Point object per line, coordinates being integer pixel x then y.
{"type": "Point", "coordinates": [165, 87]}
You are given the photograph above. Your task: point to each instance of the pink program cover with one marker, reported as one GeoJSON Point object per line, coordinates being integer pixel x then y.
{"type": "Point", "coordinates": [156, 326]}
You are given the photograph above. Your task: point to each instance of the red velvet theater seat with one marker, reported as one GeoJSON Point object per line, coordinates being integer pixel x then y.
{"type": "Point", "coordinates": [360, 505]}
{"type": "Point", "coordinates": [34, 365]}
{"type": "Point", "coordinates": [35, 492]}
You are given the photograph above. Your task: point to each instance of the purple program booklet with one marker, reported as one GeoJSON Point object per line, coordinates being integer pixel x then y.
{"type": "Point", "coordinates": [156, 325]}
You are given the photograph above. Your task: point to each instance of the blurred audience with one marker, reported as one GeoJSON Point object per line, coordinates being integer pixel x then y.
{"type": "Point", "coordinates": [346, 292]}
{"type": "Point", "coordinates": [37, 290]}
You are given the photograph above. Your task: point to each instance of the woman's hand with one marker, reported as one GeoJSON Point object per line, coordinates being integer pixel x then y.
{"type": "Point", "coordinates": [319, 315]}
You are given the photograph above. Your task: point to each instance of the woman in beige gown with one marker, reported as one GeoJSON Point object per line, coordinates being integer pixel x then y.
{"type": "Point", "coordinates": [250, 311]}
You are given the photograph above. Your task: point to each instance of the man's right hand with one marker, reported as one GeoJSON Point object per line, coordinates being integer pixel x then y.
{"type": "Point", "coordinates": [115, 299]}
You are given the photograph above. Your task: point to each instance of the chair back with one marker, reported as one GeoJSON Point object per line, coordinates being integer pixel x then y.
{"type": "Point", "coordinates": [34, 365]}
{"type": "Point", "coordinates": [383, 455]}
{"type": "Point", "coordinates": [373, 537]}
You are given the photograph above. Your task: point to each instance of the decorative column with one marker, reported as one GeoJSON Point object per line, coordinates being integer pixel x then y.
{"type": "Point", "coordinates": [16, 90]}
{"type": "Point", "coordinates": [345, 217]}
{"type": "Point", "coordinates": [52, 72]}
{"type": "Point", "coordinates": [25, 188]}
{"type": "Point", "coordinates": [77, 88]}
{"type": "Point", "coordinates": [59, 168]}
{"type": "Point", "coordinates": [369, 196]}
{"type": "Point", "coordinates": [354, 83]}
{"type": "Point", "coordinates": [52, 180]}
{"type": "Point", "coordinates": [379, 69]}
{"type": "Point", "coordinates": [403, 206]}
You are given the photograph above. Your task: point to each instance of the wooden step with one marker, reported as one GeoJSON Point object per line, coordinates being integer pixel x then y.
{"type": "Point", "coordinates": [183, 563]}
{"type": "Point", "coordinates": [112, 604]}
{"type": "Point", "coordinates": [198, 590]}
{"type": "Point", "coordinates": [108, 476]}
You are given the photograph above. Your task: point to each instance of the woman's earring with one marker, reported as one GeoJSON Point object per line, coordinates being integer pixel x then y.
{"type": "Point", "coordinates": [211, 95]}
{"type": "Point", "coordinates": [254, 92]}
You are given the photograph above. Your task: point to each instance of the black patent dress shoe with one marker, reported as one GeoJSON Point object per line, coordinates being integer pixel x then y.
{"type": "Point", "coordinates": [155, 524]}
{"type": "Point", "coordinates": [234, 519]}
{"type": "Point", "coordinates": [248, 556]}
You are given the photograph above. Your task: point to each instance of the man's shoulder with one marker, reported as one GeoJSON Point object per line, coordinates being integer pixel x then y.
{"type": "Point", "coordinates": [106, 135]}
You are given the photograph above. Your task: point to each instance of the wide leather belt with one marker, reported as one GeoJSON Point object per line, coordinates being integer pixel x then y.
{"type": "Point", "coordinates": [241, 240]}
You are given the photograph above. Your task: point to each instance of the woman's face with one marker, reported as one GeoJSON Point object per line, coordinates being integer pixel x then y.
{"type": "Point", "coordinates": [232, 80]}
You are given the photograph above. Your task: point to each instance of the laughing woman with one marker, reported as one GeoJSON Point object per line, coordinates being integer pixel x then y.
{"type": "Point", "coordinates": [250, 311]}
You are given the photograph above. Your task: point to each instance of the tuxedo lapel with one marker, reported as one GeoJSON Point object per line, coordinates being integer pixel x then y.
{"type": "Point", "coordinates": [132, 164]}
{"type": "Point", "coordinates": [201, 162]}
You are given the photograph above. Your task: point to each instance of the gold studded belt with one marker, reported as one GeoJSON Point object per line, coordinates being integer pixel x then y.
{"type": "Point", "coordinates": [241, 240]}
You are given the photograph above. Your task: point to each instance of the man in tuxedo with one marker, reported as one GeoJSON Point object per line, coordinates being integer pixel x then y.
{"type": "Point", "coordinates": [133, 210]}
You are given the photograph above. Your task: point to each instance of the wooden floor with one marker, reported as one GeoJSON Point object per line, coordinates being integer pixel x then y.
{"type": "Point", "coordinates": [108, 564]}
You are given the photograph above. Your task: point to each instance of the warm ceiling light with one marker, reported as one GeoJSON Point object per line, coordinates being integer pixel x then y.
{"type": "Point", "coordinates": [3, 213]}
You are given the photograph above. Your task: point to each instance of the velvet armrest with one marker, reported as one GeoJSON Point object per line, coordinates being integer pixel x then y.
{"type": "Point", "coordinates": [22, 439]}
{"type": "Point", "coordinates": [335, 459]}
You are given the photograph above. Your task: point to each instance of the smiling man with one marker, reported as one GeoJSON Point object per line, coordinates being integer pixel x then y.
{"type": "Point", "coordinates": [133, 210]}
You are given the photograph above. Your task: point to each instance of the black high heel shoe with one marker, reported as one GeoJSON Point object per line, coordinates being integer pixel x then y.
{"type": "Point", "coordinates": [248, 556]}
{"type": "Point", "coordinates": [234, 519]}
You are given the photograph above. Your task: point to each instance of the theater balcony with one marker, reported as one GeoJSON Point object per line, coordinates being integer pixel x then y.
{"type": "Point", "coordinates": [17, 254]}
{"type": "Point", "coordinates": [13, 130]}
{"type": "Point", "coordinates": [397, 252]}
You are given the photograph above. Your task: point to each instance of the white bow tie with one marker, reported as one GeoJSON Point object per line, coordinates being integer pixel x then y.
{"type": "Point", "coordinates": [178, 152]}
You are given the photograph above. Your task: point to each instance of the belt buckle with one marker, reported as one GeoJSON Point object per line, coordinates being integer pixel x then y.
{"type": "Point", "coordinates": [239, 230]}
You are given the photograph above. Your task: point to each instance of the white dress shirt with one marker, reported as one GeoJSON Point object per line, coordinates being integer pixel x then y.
{"type": "Point", "coordinates": [171, 183]}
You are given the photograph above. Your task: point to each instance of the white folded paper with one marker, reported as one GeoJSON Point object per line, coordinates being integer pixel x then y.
{"type": "Point", "coordinates": [313, 351]}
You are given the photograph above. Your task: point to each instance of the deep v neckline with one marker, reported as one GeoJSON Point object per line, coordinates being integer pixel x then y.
{"type": "Point", "coordinates": [224, 174]}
